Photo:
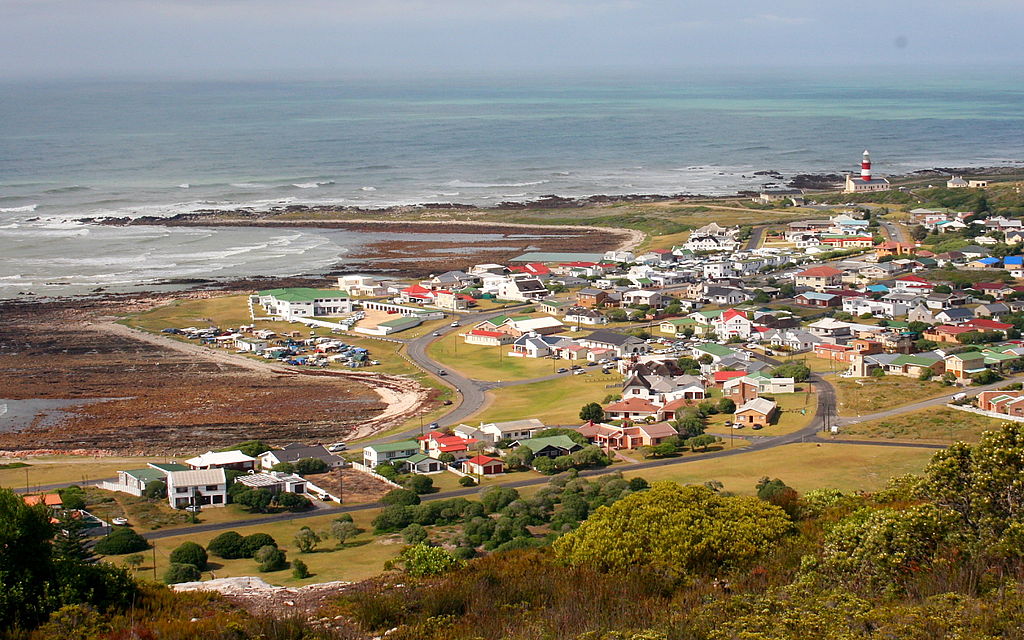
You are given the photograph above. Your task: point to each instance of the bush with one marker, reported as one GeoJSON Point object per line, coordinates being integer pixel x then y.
{"type": "Point", "coordinates": [420, 560]}
{"type": "Point", "coordinates": [310, 465]}
{"type": "Point", "coordinates": [155, 490]}
{"type": "Point", "coordinates": [190, 553]}
{"type": "Point", "coordinates": [255, 542]}
{"type": "Point", "coordinates": [299, 569]}
{"type": "Point", "coordinates": [467, 481]}
{"type": "Point", "coordinates": [726, 405]}
{"type": "Point", "coordinates": [181, 572]}
{"type": "Point", "coordinates": [73, 497]}
{"type": "Point", "coordinates": [270, 558]}
{"type": "Point", "coordinates": [414, 534]}
{"type": "Point", "coordinates": [293, 502]}
{"type": "Point", "coordinates": [400, 497]}
{"type": "Point", "coordinates": [228, 545]}
{"type": "Point", "coordinates": [419, 484]}
{"type": "Point", "coordinates": [393, 517]}
{"type": "Point", "coordinates": [121, 541]}
{"type": "Point", "coordinates": [283, 467]}
{"type": "Point", "coordinates": [306, 540]}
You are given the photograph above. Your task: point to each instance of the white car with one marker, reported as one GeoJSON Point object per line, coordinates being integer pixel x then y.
{"type": "Point", "coordinates": [119, 521]}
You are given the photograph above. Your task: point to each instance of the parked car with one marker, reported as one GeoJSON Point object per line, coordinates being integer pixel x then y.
{"type": "Point", "coordinates": [437, 333]}
{"type": "Point", "coordinates": [442, 372]}
{"type": "Point", "coordinates": [337, 446]}
{"type": "Point", "coordinates": [562, 370]}
{"type": "Point", "coordinates": [579, 372]}
{"type": "Point", "coordinates": [454, 324]}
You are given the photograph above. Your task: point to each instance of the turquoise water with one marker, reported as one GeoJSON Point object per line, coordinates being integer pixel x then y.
{"type": "Point", "coordinates": [72, 149]}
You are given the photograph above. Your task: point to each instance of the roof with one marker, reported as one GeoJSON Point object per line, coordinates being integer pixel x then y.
{"type": "Point", "coordinates": [714, 349]}
{"type": "Point", "coordinates": [516, 425]}
{"type": "Point", "coordinates": [610, 337]}
{"type": "Point", "coordinates": [486, 334]}
{"type": "Point", "coordinates": [722, 376]}
{"type": "Point", "coordinates": [417, 458]}
{"type": "Point", "coordinates": [757, 405]}
{"type": "Point", "coordinates": [483, 460]}
{"type": "Point", "coordinates": [49, 499]}
{"type": "Point", "coordinates": [820, 272]}
{"type": "Point", "coordinates": [560, 442]}
{"type": "Point", "coordinates": [268, 479]}
{"type": "Point", "coordinates": [815, 295]}
{"type": "Point", "coordinates": [196, 477]}
{"type": "Point", "coordinates": [401, 445]}
{"type": "Point", "coordinates": [168, 466]}
{"type": "Point", "coordinates": [633, 404]}
{"type": "Point", "coordinates": [303, 294]}
{"type": "Point", "coordinates": [148, 474]}
{"type": "Point", "coordinates": [216, 458]}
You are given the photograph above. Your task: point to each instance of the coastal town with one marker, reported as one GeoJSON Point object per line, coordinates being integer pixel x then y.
{"type": "Point", "coordinates": [848, 324]}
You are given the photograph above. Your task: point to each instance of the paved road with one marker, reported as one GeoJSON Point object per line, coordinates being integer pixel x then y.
{"type": "Point", "coordinates": [895, 231]}
{"type": "Point", "coordinates": [755, 238]}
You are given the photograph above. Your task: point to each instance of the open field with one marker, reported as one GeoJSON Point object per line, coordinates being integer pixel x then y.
{"type": "Point", "coordinates": [803, 466]}
{"type": "Point", "coordinates": [488, 363]}
{"type": "Point", "coordinates": [553, 402]}
{"type": "Point", "coordinates": [46, 470]}
{"type": "Point", "coordinates": [363, 557]}
{"type": "Point", "coordinates": [940, 425]}
{"type": "Point", "coordinates": [860, 396]}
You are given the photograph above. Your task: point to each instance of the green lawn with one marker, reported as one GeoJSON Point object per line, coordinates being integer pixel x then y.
{"type": "Point", "coordinates": [364, 556]}
{"type": "Point", "coordinates": [939, 425]}
{"type": "Point", "coordinates": [222, 311]}
{"type": "Point", "coordinates": [861, 396]}
{"type": "Point", "coordinates": [488, 363]}
{"type": "Point", "coordinates": [60, 469]}
{"type": "Point", "coordinates": [802, 466]}
{"type": "Point", "coordinates": [553, 402]}
{"type": "Point", "coordinates": [796, 410]}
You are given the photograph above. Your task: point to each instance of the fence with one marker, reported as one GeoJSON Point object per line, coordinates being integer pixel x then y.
{"type": "Point", "coordinates": [117, 486]}
{"type": "Point", "coordinates": [362, 468]}
{"type": "Point", "coordinates": [981, 412]}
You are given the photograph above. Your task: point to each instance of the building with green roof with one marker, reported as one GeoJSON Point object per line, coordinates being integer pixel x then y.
{"type": "Point", "coordinates": [550, 447]}
{"type": "Point", "coordinates": [304, 302]}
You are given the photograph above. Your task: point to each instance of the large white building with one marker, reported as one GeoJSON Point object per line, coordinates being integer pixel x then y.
{"type": "Point", "coordinates": [302, 302]}
{"type": "Point", "coordinates": [200, 487]}
{"type": "Point", "coordinates": [865, 183]}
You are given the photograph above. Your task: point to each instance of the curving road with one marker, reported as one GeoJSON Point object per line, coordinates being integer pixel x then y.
{"type": "Point", "coordinates": [895, 231]}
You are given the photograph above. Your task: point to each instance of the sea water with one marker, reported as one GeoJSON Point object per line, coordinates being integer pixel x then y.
{"type": "Point", "coordinates": [72, 149]}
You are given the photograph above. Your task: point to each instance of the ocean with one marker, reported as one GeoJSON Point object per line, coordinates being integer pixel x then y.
{"type": "Point", "coordinates": [70, 149]}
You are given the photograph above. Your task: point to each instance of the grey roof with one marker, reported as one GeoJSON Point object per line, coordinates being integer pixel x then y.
{"type": "Point", "coordinates": [611, 337]}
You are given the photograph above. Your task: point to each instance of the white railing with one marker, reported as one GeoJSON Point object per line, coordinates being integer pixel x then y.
{"type": "Point", "coordinates": [117, 486]}
{"type": "Point", "coordinates": [982, 412]}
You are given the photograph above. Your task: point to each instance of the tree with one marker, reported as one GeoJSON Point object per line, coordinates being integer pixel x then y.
{"type": "Point", "coordinates": [988, 376]}
{"type": "Point", "coordinates": [787, 290]}
{"type": "Point", "coordinates": [181, 572]}
{"type": "Point", "coordinates": [190, 553]}
{"type": "Point", "coordinates": [726, 405]}
{"type": "Point", "coordinates": [299, 569]}
{"type": "Point", "coordinates": [703, 441]}
{"type": "Point", "coordinates": [306, 540]}
{"type": "Point", "coordinates": [497, 498]}
{"type": "Point", "coordinates": [270, 558]}
{"type": "Point", "coordinates": [664, 449]}
{"type": "Point", "coordinates": [72, 497]}
{"type": "Point", "coordinates": [592, 412]}
{"type": "Point", "coordinates": [393, 517]}
{"type": "Point", "coordinates": [228, 545]}
{"type": "Point", "coordinates": [256, 500]}
{"type": "Point", "coordinates": [307, 466]}
{"type": "Point", "coordinates": [925, 375]}
{"type": "Point", "coordinates": [446, 457]}
{"type": "Point", "coordinates": [520, 458]}
{"type": "Point", "coordinates": [251, 448]}
{"type": "Point", "coordinates": [796, 370]}
{"type": "Point", "coordinates": [155, 490]}
{"type": "Point", "coordinates": [419, 484]}
{"type": "Point", "coordinates": [705, 359]}
{"type": "Point", "coordinates": [918, 232]}
{"type": "Point", "coordinates": [421, 560]}
{"type": "Point", "coordinates": [400, 497]}
{"type": "Point", "coordinates": [26, 567]}
{"type": "Point", "coordinates": [778, 493]}
{"type": "Point", "coordinates": [760, 297]}
{"type": "Point", "coordinates": [121, 541]}
{"type": "Point", "coordinates": [699, 532]}
{"type": "Point", "coordinates": [134, 561]}
{"type": "Point", "coordinates": [292, 501]}
{"type": "Point", "coordinates": [344, 530]}
{"type": "Point", "coordinates": [70, 543]}
{"type": "Point", "coordinates": [283, 467]}
{"type": "Point", "coordinates": [414, 534]}
{"type": "Point", "coordinates": [256, 541]}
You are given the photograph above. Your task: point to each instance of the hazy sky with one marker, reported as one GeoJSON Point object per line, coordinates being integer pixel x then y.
{"type": "Point", "coordinates": [42, 38]}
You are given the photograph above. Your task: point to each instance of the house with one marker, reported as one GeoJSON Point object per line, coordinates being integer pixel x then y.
{"type": "Point", "coordinates": [661, 388]}
{"type": "Point", "coordinates": [511, 429]}
{"type": "Point", "coordinates": [677, 326]}
{"type": "Point", "coordinates": [626, 436]}
{"type": "Point", "coordinates": [436, 443]}
{"type": "Point", "coordinates": [956, 315]}
{"type": "Point", "coordinates": [550, 447]}
{"type": "Point", "coordinates": [865, 182]}
{"type": "Point", "coordinates": [987, 324]}
{"type": "Point", "coordinates": [422, 463]}
{"type": "Point", "coordinates": [197, 487]}
{"type": "Point", "coordinates": [710, 243]}
{"type": "Point", "coordinates": [553, 306]}
{"type": "Point", "coordinates": [725, 295]}
{"type": "Point", "coordinates": [638, 297]}
{"type": "Point", "coordinates": [632, 408]}
{"type": "Point", "coordinates": [818, 278]}
{"type": "Point", "coordinates": [956, 182]}
{"type": "Point", "coordinates": [758, 412]}
{"type": "Point", "coordinates": [913, 284]}
{"type": "Point", "coordinates": [622, 345]}
{"type": "Point", "coordinates": [483, 466]}
{"type": "Point", "coordinates": [294, 452]}
{"type": "Point", "coordinates": [376, 454]}
{"type": "Point", "coordinates": [914, 365]}
{"type": "Point", "coordinates": [134, 481]}
{"type": "Point", "coordinates": [582, 316]}
{"type": "Point", "coordinates": [886, 249]}
{"type": "Point", "coordinates": [234, 460]}
{"type": "Point", "coordinates": [522, 289]}
{"type": "Point", "coordinates": [793, 340]}
{"type": "Point", "coordinates": [304, 302]}
{"type": "Point", "coordinates": [741, 389]}
{"type": "Point", "coordinates": [965, 365]}
{"type": "Point", "coordinates": [535, 346]}
{"type": "Point", "coordinates": [947, 333]}
{"type": "Point", "coordinates": [544, 325]}
{"type": "Point", "coordinates": [1009, 403]}
{"type": "Point", "coordinates": [487, 338]}
{"type": "Point", "coordinates": [275, 482]}
{"type": "Point", "coordinates": [817, 299]}
{"type": "Point", "coordinates": [590, 298]}
{"type": "Point", "coordinates": [52, 500]}
{"type": "Point", "coordinates": [361, 285]}
{"type": "Point", "coordinates": [763, 385]}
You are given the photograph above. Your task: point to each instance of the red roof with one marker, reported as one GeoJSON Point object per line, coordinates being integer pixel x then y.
{"type": "Point", "coordinates": [985, 323]}
{"type": "Point", "coordinates": [416, 289]}
{"type": "Point", "coordinates": [948, 328]}
{"type": "Point", "coordinates": [820, 272]}
{"type": "Point", "coordinates": [722, 376]}
{"type": "Point", "coordinates": [49, 499]}
{"type": "Point", "coordinates": [732, 313]}
{"type": "Point", "coordinates": [632, 404]}
{"type": "Point", "coordinates": [535, 268]}
{"type": "Point", "coordinates": [993, 286]}
{"type": "Point", "coordinates": [482, 460]}
{"type": "Point", "coordinates": [833, 347]}
{"type": "Point", "coordinates": [917, 279]}
{"type": "Point", "coordinates": [485, 333]}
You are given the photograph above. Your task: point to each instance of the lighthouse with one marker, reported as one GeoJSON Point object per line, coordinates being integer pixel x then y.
{"type": "Point", "coordinates": [865, 182]}
{"type": "Point", "coordinates": [865, 167]}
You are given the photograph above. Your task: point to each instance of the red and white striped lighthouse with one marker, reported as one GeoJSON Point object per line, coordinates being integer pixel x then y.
{"type": "Point", "coordinates": [865, 167]}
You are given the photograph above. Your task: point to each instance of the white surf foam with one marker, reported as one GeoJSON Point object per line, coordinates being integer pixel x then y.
{"type": "Point", "coordinates": [26, 209]}
{"type": "Point", "coordinates": [493, 185]}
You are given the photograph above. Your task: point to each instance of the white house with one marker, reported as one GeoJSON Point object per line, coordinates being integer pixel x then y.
{"type": "Point", "coordinates": [235, 460]}
{"type": "Point", "coordinates": [376, 454]}
{"type": "Point", "coordinates": [303, 302]}
{"type": "Point", "coordinates": [522, 289]}
{"type": "Point", "coordinates": [360, 285]}
{"type": "Point", "coordinates": [197, 487]}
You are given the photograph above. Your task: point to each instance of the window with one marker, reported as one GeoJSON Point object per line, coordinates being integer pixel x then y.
{"type": "Point", "coordinates": [218, 499]}
{"type": "Point", "coordinates": [181, 489]}
{"type": "Point", "coordinates": [212, 487]}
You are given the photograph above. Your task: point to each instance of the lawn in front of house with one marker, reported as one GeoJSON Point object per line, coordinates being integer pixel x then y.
{"type": "Point", "coordinates": [554, 402]}
{"type": "Point", "coordinates": [939, 425]}
{"type": "Point", "coordinates": [796, 410]}
{"type": "Point", "coordinates": [488, 363]}
{"type": "Point", "coordinates": [862, 396]}
{"type": "Point", "coordinates": [803, 466]}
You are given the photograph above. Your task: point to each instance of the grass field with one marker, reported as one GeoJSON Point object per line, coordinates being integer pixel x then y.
{"type": "Point", "coordinates": [63, 469]}
{"type": "Point", "coordinates": [802, 466]}
{"type": "Point", "coordinates": [363, 557]}
{"type": "Point", "coordinates": [939, 425]}
{"type": "Point", "coordinates": [488, 363]}
{"type": "Point", "coordinates": [860, 396]}
{"type": "Point", "coordinates": [553, 402]}
{"type": "Point", "coordinates": [223, 311]}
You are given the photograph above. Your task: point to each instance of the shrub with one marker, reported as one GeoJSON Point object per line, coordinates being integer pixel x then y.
{"type": "Point", "coordinates": [400, 497]}
{"type": "Point", "coordinates": [421, 560]}
{"type": "Point", "coordinates": [228, 545]}
{"type": "Point", "coordinates": [73, 497]}
{"type": "Point", "coordinates": [270, 558]}
{"type": "Point", "coordinates": [255, 542]}
{"type": "Point", "coordinates": [310, 465]}
{"type": "Point", "coordinates": [293, 502]}
{"type": "Point", "coordinates": [726, 405]}
{"type": "Point", "coordinates": [467, 481]}
{"type": "Point", "coordinates": [155, 490]}
{"type": "Point", "coordinates": [414, 534]}
{"type": "Point", "coordinates": [299, 569]}
{"type": "Point", "coordinates": [393, 517]}
{"type": "Point", "coordinates": [306, 540]}
{"type": "Point", "coordinates": [283, 467]}
{"type": "Point", "coordinates": [181, 572]}
{"type": "Point", "coordinates": [190, 553]}
{"type": "Point", "coordinates": [121, 541]}
{"type": "Point", "coordinates": [419, 484]}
